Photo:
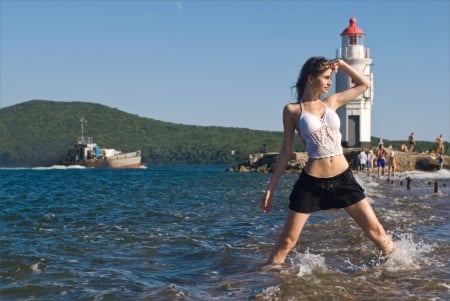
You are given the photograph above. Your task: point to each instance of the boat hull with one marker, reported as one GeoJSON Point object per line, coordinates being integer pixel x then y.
{"type": "Point", "coordinates": [127, 160]}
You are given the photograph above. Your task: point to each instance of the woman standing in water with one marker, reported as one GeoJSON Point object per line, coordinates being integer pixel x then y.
{"type": "Point", "coordinates": [326, 181]}
{"type": "Point", "coordinates": [392, 165]}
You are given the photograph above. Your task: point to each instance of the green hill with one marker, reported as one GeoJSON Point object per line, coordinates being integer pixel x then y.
{"type": "Point", "coordinates": [39, 132]}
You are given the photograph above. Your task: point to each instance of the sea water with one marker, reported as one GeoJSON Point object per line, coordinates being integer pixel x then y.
{"type": "Point", "coordinates": [196, 232]}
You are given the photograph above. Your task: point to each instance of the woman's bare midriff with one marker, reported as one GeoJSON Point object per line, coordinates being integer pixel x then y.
{"type": "Point", "coordinates": [326, 167]}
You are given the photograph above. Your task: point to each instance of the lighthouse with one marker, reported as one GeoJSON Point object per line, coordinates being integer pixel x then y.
{"type": "Point", "coordinates": [356, 115]}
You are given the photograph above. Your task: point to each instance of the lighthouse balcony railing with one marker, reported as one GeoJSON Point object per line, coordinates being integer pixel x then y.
{"type": "Point", "coordinates": [356, 52]}
{"type": "Point", "coordinates": [84, 140]}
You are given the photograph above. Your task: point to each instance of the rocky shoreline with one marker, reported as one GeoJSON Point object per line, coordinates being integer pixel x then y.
{"type": "Point", "coordinates": [266, 162]}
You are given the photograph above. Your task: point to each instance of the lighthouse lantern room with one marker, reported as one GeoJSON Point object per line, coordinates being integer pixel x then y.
{"type": "Point", "coordinates": [356, 115]}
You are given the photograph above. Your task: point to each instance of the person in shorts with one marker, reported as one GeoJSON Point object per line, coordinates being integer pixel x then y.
{"type": "Point", "coordinates": [362, 160]}
{"type": "Point", "coordinates": [412, 142]}
{"type": "Point", "coordinates": [326, 181]}
{"type": "Point", "coordinates": [381, 159]}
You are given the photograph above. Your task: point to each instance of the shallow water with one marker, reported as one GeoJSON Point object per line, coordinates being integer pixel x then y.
{"type": "Point", "coordinates": [190, 232]}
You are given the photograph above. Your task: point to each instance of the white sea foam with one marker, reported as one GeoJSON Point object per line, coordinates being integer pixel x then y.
{"type": "Point", "coordinates": [59, 167]}
{"type": "Point", "coordinates": [35, 268]}
{"type": "Point", "coordinates": [371, 183]}
{"type": "Point", "coordinates": [50, 216]}
{"type": "Point", "coordinates": [417, 174]}
{"type": "Point", "coordinates": [408, 254]}
{"type": "Point", "coordinates": [370, 186]}
{"type": "Point", "coordinates": [306, 263]}
{"type": "Point", "coordinates": [269, 293]}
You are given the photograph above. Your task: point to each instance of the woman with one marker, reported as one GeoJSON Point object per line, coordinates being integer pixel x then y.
{"type": "Point", "coordinates": [370, 159]}
{"type": "Point", "coordinates": [327, 171]}
{"type": "Point", "coordinates": [440, 145]}
{"type": "Point", "coordinates": [392, 165]}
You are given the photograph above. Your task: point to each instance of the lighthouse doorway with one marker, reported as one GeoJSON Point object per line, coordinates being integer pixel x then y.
{"type": "Point", "coordinates": [353, 131]}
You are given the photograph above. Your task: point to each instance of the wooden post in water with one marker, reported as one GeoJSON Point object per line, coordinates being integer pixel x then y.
{"type": "Point", "coordinates": [408, 183]}
{"type": "Point", "coordinates": [436, 187]}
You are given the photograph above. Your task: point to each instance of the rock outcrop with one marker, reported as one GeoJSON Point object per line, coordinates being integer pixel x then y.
{"type": "Point", "coordinates": [266, 162]}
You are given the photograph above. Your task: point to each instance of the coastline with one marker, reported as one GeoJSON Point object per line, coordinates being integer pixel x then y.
{"type": "Point", "coordinates": [265, 162]}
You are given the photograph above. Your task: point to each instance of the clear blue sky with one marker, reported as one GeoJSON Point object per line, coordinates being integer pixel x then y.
{"type": "Point", "coordinates": [224, 63]}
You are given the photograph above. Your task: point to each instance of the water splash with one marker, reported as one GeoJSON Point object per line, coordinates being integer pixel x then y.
{"type": "Point", "coordinates": [35, 268]}
{"type": "Point", "coordinates": [418, 174]}
{"type": "Point", "coordinates": [306, 263]}
{"type": "Point", "coordinates": [408, 254]}
{"type": "Point", "coordinates": [269, 293]}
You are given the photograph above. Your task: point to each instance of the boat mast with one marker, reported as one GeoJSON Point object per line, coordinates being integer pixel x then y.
{"type": "Point", "coordinates": [82, 121]}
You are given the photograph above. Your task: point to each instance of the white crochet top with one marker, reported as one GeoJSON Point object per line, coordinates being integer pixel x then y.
{"type": "Point", "coordinates": [321, 136]}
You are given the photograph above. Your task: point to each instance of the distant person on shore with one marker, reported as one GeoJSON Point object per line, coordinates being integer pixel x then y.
{"type": "Point", "coordinates": [392, 165]}
{"type": "Point", "coordinates": [441, 161]}
{"type": "Point", "coordinates": [264, 149]}
{"type": "Point", "coordinates": [381, 159]}
{"type": "Point", "coordinates": [370, 158]}
{"type": "Point", "coordinates": [326, 181]}
{"type": "Point", "coordinates": [412, 142]}
{"type": "Point", "coordinates": [362, 161]}
{"type": "Point", "coordinates": [440, 145]}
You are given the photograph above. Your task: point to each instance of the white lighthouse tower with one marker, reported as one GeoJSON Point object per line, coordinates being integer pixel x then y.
{"type": "Point", "coordinates": [356, 115]}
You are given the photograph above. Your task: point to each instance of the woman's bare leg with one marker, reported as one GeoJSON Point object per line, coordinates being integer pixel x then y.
{"type": "Point", "coordinates": [362, 212]}
{"type": "Point", "coordinates": [289, 236]}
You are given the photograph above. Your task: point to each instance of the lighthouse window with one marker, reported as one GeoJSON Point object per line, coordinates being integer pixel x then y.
{"type": "Point", "coordinates": [355, 40]}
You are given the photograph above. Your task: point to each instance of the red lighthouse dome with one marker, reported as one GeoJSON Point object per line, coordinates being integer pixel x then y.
{"type": "Point", "coordinates": [352, 29]}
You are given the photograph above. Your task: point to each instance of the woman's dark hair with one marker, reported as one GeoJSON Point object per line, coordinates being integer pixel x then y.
{"type": "Point", "coordinates": [313, 66]}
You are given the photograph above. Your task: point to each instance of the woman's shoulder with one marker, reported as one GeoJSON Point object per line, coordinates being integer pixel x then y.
{"type": "Point", "coordinates": [291, 113]}
{"type": "Point", "coordinates": [293, 108]}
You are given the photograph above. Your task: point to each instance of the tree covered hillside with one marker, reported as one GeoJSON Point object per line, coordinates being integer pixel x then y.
{"type": "Point", "coordinates": [39, 132]}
